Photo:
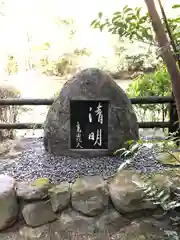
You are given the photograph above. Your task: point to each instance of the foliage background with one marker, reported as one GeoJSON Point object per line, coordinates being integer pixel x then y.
{"type": "Point", "coordinates": [44, 35]}
{"type": "Point", "coordinates": [47, 40]}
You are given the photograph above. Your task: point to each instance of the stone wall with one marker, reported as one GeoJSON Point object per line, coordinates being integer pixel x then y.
{"type": "Point", "coordinates": [91, 208]}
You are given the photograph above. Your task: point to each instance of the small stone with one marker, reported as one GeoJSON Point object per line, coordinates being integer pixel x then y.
{"type": "Point", "coordinates": [38, 233]}
{"type": "Point", "coordinates": [73, 225]}
{"type": "Point", "coordinates": [35, 190]}
{"type": "Point", "coordinates": [7, 235]}
{"type": "Point", "coordinates": [38, 213]}
{"type": "Point", "coordinates": [125, 194]}
{"type": "Point", "coordinates": [60, 196]}
{"type": "Point", "coordinates": [8, 202]}
{"type": "Point", "coordinates": [110, 222]}
{"type": "Point", "coordinates": [90, 195]}
{"type": "Point", "coordinates": [70, 226]}
{"type": "Point", "coordinates": [140, 230]}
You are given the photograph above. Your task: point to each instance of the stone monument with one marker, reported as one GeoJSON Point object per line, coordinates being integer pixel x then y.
{"type": "Point", "coordinates": [92, 116]}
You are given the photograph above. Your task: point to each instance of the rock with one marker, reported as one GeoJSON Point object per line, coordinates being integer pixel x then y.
{"type": "Point", "coordinates": [90, 195]}
{"type": "Point", "coordinates": [90, 84]}
{"type": "Point", "coordinates": [140, 230]}
{"type": "Point", "coordinates": [110, 222]}
{"type": "Point", "coordinates": [38, 213]}
{"type": "Point", "coordinates": [8, 201]}
{"type": "Point", "coordinates": [38, 233]}
{"type": "Point", "coordinates": [60, 196]}
{"type": "Point", "coordinates": [35, 190]}
{"type": "Point", "coordinates": [73, 225]}
{"type": "Point", "coordinates": [9, 236]}
{"type": "Point", "coordinates": [125, 194]}
{"type": "Point", "coordinates": [70, 225]}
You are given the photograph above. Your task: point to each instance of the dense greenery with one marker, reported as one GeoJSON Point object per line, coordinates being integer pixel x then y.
{"type": "Point", "coordinates": [157, 83]}
{"type": "Point", "coordinates": [152, 84]}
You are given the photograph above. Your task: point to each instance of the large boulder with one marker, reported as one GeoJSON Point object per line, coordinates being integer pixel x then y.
{"type": "Point", "coordinates": [137, 230]}
{"type": "Point", "coordinates": [70, 225]}
{"type": "Point", "coordinates": [126, 195]}
{"type": "Point", "coordinates": [90, 195]}
{"type": "Point", "coordinates": [90, 84]}
{"type": "Point", "coordinates": [60, 196]}
{"type": "Point", "coordinates": [38, 213]}
{"type": "Point", "coordinates": [8, 202]}
{"type": "Point", "coordinates": [35, 190]}
{"type": "Point", "coordinates": [110, 222]}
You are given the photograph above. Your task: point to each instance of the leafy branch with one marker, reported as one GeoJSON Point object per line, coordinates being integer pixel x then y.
{"type": "Point", "coordinates": [133, 147]}
{"type": "Point", "coordinates": [158, 195]}
{"type": "Point", "coordinates": [132, 24]}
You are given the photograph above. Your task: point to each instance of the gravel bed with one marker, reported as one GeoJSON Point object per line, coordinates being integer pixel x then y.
{"type": "Point", "coordinates": [35, 162]}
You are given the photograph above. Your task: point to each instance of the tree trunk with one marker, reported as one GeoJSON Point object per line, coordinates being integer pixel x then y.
{"type": "Point", "coordinates": [167, 55]}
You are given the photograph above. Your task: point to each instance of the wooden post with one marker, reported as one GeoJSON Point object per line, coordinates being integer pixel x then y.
{"type": "Point", "coordinates": [174, 127]}
{"type": "Point", "coordinates": [173, 116]}
{"type": "Point", "coordinates": [165, 51]}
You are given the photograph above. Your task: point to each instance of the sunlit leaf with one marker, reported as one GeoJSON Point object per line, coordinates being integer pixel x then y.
{"type": "Point", "coordinates": [126, 9]}
{"type": "Point", "coordinates": [100, 14]}
{"type": "Point", "coordinates": [93, 22]}
{"type": "Point", "coordinates": [176, 6]}
{"type": "Point", "coordinates": [169, 159]}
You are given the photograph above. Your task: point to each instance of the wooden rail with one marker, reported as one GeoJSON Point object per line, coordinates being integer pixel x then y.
{"type": "Point", "coordinates": [40, 125]}
{"type": "Point", "coordinates": [144, 100]}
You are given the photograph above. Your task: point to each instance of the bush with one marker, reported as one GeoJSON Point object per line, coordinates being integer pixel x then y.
{"type": "Point", "coordinates": [62, 66]}
{"type": "Point", "coordinates": [12, 66]}
{"type": "Point", "coordinates": [66, 64]}
{"type": "Point", "coordinates": [151, 84]}
{"type": "Point", "coordinates": [8, 114]}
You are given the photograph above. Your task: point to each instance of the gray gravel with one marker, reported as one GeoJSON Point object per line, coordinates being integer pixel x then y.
{"type": "Point", "coordinates": [34, 162]}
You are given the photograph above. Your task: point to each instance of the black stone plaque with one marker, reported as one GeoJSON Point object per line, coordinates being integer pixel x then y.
{"type": "Point", "coordinates": [88, 124]}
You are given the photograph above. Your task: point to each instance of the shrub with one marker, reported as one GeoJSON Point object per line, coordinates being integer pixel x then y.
{"type": "Point", "coordinates": [66, 64]}
{"type": "Point", "coordinates": [8, 114]}
{"type": "Point", "coordinates": [151, 84]}
{"type": "Point", "coordinates": [12, 66]}
{"type": "Point", "coordinates": [62, 66]}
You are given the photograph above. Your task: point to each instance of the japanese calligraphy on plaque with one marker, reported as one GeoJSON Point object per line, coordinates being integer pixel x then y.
{"type": "Point", "coordinates": [88, 124]}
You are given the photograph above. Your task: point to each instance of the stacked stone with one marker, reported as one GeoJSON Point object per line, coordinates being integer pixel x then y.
{"type": "Point", "coordinates": [91, 208]}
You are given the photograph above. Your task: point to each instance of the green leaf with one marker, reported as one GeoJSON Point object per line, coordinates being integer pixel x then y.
{"type": "Point", "coordinates": [93, 23]}
{"type": "Point", "coordinates": [100, 14]}
{"type": "Point", "coordinates": [160, 194]}
{"type": "Point", "coordinates": [176, 6]}
{"type": "Point", "coordinates": [97, 25]}
{"type": "Point", "coordinates": [134, 148]}
{"type": "Point", "coordinates": [117, 13]}
{"type": "Point", "coordinates": [101, 27]}
{"type": "Point", "coordinates": [129, 142]}
{"type": "Point", "coordinates": [169, 159]}
{"type": "Point", "coordinates": [127, 9]}
{"type": "Point", "coordinates": [138, 10]}
{"type": "Point", "coordinates": [120, 151]}
{"type": "Point", "coordinates": [165, 198]}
